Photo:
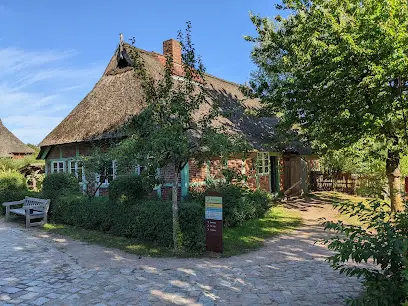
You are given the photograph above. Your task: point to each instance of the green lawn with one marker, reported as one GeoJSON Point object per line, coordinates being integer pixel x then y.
{"type": "Point", "coordinates": [249, 236]}
{"type": "Point", "coordinates": [337, 197]}
{"type": "Point", "coordinates": [252, 235]}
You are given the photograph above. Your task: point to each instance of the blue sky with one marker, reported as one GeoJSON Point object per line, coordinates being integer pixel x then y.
{"type": "Point", "coordinates": [53, 52]}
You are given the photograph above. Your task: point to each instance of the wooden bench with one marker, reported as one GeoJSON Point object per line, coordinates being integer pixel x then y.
{"type": "Point", "coordinates": [31, 208]}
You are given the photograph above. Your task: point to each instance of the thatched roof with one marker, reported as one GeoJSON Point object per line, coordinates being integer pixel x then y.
{"type": "Point", "coordinates": [118, 95]}
{"type": "Point", "coordinates": [10, 144]}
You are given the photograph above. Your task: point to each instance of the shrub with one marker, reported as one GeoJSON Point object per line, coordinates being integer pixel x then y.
{"type": "Point", "coordinates": [150, 220]}
{"type": "Point", "coordinates": [130, 188]}
{"type": "Point", "coordinates": [239, 202]}
{"type": "Point", "coordinates": [12, 187]}
{"type": "Point", "coordinates": [191, 216]}
{"type": "Point", "coordinates": [59, 184]}
{"type": "Point", "coordinates": [383, 239]}
{"type": "Point", "coordinates": [12, 181]}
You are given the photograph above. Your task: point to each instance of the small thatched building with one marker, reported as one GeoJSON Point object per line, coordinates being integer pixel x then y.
{"type": "Point", "coordinates": [276, 164]}
{"type": "Point", "coordinates": [11, 146]}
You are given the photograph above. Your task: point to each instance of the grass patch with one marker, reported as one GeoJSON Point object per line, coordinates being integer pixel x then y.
{"type": "Point", "coordinates": [253, 233]}
{"type": "Point", "coordinates": [248, 237]}
{"type": "Point", "coordinates": [122, 243]}
{"type": "Point", "coordinates": [337, 197]}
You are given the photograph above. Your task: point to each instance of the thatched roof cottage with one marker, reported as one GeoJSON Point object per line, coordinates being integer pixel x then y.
{"type": "Point", "coordinates": [276, 164]}
{"type": "Point", "coordinates": [11, 146]}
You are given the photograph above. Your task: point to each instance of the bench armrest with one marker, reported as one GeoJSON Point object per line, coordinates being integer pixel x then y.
{"type": "Point", "coordinates": [13, 203]}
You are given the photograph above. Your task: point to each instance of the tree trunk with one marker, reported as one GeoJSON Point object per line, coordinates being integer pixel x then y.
{"type": "Point", "coordinates": [174, 199]}
{"type": "Point", "coordinates": [394, 180]}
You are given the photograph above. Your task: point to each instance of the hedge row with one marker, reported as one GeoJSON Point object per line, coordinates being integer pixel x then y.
{"type": "Point", "coordinates": [240, 203]}
{"type": "Point", "coordinates": [130, 213]}
{"type": "Point", "coordinates": [149, 220]}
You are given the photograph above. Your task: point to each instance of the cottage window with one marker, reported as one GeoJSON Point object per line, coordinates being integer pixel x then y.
{"type": "Point", "coordinates": [139, 169]}
{"type": "Point", "coordinates": [58, 167]}
{"type": "Point", "coordinates": [77, 168]}
{"type": "Point", "coordinates": [263, 163]}
{"type": "Point", "coordinates": [110, 174]}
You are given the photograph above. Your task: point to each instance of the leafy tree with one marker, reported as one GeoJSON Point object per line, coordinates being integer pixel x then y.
{"type": "Point", "coordinates": [176, 124]}
{"type": "Point", "coordinates": [337, 70]}
{"type": "Point", "coordinates": [98, 167]}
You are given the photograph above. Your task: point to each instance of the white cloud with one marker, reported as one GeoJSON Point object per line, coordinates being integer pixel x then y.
{"type": "Point", "coordinates": [39, 88]}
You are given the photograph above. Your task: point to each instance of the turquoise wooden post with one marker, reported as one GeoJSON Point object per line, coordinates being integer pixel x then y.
{"type": "Point", "coordinates": [185, 183]}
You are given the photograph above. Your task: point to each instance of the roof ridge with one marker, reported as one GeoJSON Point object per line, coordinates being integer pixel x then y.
{"type": "Point", "coordinates": [154, 53]}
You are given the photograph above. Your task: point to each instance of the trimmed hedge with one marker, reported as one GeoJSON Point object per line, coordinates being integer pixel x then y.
{"type": "Point", "coordinates": [150, 220]}
{"type": "Point", "coordinates": [56, 185]}
{"type": "Point", "coordinates": [239, 203]}
{"type": "Point", "coordinates": [130, 188]}
{"type": "Point", "coordinates": [59, 184]}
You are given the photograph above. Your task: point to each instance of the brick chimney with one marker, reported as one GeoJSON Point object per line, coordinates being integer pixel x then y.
{"type": "Point", "coordinates": [172, 47]}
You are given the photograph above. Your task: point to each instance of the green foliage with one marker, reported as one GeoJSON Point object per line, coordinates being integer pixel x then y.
{"type": "Point", "coordinates": [382, 238]}
{"type": "Point", "coordinates": [131, 188]}
{"type": "Point", "coordinates": [239, 202]}
{"type": "Point", "coordinates": [150, 220]}
{"type": "Point", "coordinates": [337, 71]}
{"type": "Point", "coordinates": [13, 187]}
{"type": "Point", "coordinates": [336, 68]}
{"type": "Point", "coordinates": [98, 166]}
{"type": "Point", "coordinates": [404, 166]}
{"type": "Point", "coordinates": [363, 159]}
{"type": "Point", "coordinates": [59, 184]}
{"type": "Point", "coordinates": [12, 181]}
{"type": "Point", "coordinates": [10, 164]}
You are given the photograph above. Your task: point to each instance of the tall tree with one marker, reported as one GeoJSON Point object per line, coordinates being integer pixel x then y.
{"type": "Point", "coordinates": [176, 124]}
{"type": "Point", "coordinates": [338, 71]}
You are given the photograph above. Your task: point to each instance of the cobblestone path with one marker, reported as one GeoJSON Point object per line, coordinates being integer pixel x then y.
{"type": "Point", "coordinates": [289, 270]}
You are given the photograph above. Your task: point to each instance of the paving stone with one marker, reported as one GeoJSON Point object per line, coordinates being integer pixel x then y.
{"type": "Point", "coordinates": [11, 290]}
{"type": "Point", "coordinates": [40, 301]}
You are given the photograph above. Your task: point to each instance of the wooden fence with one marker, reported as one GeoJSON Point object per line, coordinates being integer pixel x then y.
{"type": "Point", "coordinates": [326, 182]}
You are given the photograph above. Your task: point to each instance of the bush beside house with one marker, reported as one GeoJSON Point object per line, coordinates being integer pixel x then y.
{"type": "Point", "coordinates": [147, 220]}
{"type": "Point", "coordinates": [240, 203]}
{"type": "Point", "coordinates": [13, 187]}
{"type": "Point", "coordinates": [129, 211]}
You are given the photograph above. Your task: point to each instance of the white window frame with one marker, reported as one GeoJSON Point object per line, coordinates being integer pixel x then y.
{"type": "Point", "coordinates": [58, 162]}
{"type": "Point", "coordinates": [106, 182]}
{"type": "Point", "coordinates": [76, 170]}
{"type": "Point", "coordinates": [139, 169]}
{"type": "Point", "coordinates": [263, 162]}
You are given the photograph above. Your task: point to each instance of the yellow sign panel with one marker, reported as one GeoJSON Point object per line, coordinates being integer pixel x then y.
{"type": "Point", "coordinates": [213, 205]}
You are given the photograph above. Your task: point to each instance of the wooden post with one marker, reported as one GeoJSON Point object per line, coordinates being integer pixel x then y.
{"type": "Point", "coordinates": [27, 215]}
{"type": "Point", "coordinates": [7, 213]}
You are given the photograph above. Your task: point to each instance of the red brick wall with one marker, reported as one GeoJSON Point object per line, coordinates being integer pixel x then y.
{"type": "Point", "coordinates": [54, 153]}
{"type": "Point", "coordinates": [166, 192]}
{"type": "Point", "coordinates": [197, 172]}
{"type": "Point", "coordinates": [68, 150]}
{"type": "Point", "coordinates": [19, 155]}
{"type": "Point", "coordinates": [216, 166]}
{"type": "Point", "coordinates": [264, 183]}
{"type": "Point", "coordinates": [167, 174]}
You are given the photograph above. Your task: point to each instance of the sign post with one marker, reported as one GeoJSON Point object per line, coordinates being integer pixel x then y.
{"type": "Point", "coordinates": [213, 222]}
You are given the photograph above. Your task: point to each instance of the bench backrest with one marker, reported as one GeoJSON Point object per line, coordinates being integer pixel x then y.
{"type": "Point", "coordinates": [32, 202]}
